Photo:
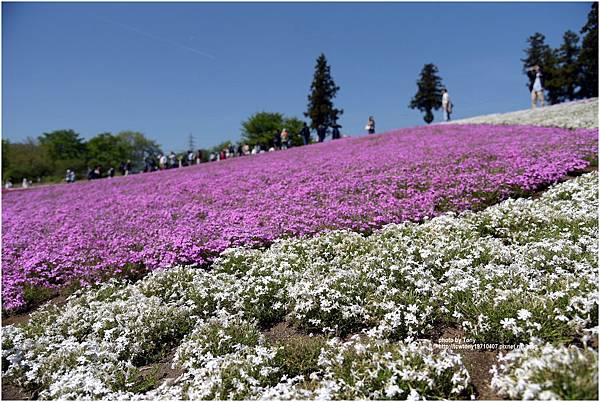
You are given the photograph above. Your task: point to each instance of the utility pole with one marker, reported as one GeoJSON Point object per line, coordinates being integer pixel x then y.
{"type": "Point", "coordinates": [191, 142]}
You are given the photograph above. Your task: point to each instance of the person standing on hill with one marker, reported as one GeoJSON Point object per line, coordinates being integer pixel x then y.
{"type": "Point", "coordinates": [536, 85]}
{"type": "Point", "coordinates": [276, 140]}
{"type": "Point", "coordinates": [446, 104]}
{"type": "Point", "coordinates": [172, 160]}
{"type": "Point", "coordinates": [127, 167]}
{"type": "Point", "coordinates": [285, 137]}
{"type": "Point", "coordinates": [335, 132]}
{"type": "Point", "coordinates": [370, 127]}
{"type": "Point", "coordinates": [321, 132]}
{"type": "Point", "coordinates": [305, 134]}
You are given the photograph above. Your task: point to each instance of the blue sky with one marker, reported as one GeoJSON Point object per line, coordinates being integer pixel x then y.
{"type": "Point", "coordinates": [171, 69]}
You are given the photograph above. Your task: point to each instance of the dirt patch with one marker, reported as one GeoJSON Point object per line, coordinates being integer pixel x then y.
{"type": "Point", "coordinates": [569, 176]}
{"type": "Point", "coordinates": [162, 371]}
{"type": "Point", "coordinates": [283, 332]}
{"type": "Point", "coordinates": [14, 393]}
{"type": "Point", "coordinates": [23, 318]}
{"type": "Point", "coordinates": [477, 362]}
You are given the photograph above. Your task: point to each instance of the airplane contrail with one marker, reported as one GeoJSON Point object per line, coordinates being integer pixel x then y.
{"type": "Point", "coordinates": [149, 35]}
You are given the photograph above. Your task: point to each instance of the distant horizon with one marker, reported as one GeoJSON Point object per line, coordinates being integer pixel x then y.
{"type": "Point", "coordinates": [171, 69]}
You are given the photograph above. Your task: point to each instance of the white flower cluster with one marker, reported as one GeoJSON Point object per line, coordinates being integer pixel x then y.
{"type": "Point", "coordinates": [571, 115]}
{"type": "Point", "coordinates": [516, 272]}
{"type": "Point", "coordinates": [546, 372]}
{"type": "Point", "coordinates": [227, 358]}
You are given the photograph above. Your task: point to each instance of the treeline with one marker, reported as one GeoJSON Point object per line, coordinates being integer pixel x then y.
{"type": "Point", "coordinates": [571, 70]}
{"type": "Point", "coordinates": [50, 155]}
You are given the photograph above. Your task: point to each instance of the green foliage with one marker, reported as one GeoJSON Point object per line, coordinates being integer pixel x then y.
{"type": "Point", "coordinates": [568, 67]}
{"type": "Point", "coordinates": [107, 150]}
{"type": "Point", "coordinates": [320, 100]}
{"type": "Point", "coordinates": [138, 147]}
{"type": "Point", "coordinates": [429, 93]}
{"type": "Point", "coordinates": [65, 150]}
{"type": "Point", "coordinates": [588, 56]}
{"type": "Point", "coordinates": [261, 127]}
{"type": "Point", "coordinates": [570, 71]}
{"type": "Point", "coordinates": [27, 159]}
{"type": "Point", "coordinates": [299, 355]}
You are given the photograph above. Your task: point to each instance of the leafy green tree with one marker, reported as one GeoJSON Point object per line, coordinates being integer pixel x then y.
{"type": "Point", "coordinates": [320, 100]}
{"type": "Point", "coordinates": [540, 54]}
{"type": "Point", "coordinates": [294, 126]}
{"type": "Point", "coordinates": [260, 128]}
{"type": "Point", "coordinates": [27, 159]}
{"type": "Point", "coordinates": [65, 150]}
{"type": "Point", "coordinates": [588, 56]}
{"type": "Point", "coordinates": [429, 92]}
{"type": "Point", "coordinates": [5, 157]}
{"type": "Point", "coordinates": [568, 66]}
{"type": "Point", "coordinates": [107, 150]}
{"type": "Point", "coordinates": [138, 147]}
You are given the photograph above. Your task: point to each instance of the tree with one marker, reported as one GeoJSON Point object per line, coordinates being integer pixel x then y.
{"type": "Point", "coordinates": [27, 159]}
{"type": "Point", "coordinates": [568, 67]}
{"type": "Point", "coordinates": [65, 150]}
{"type": "Point", "coordinates": [260, 129]}
{"type": "Point", "coordinates": [539, 53]}
{"type": "Point", "coordinates": [320, 100]}
{"type": "Point", "coordinates": [429, 92]}
{"type": "Point", "coordinates": [588, 56]}
{"type": "Point", "coordinates": [138, 147]}
{"type": "Point", "coordinates": [107, 150]}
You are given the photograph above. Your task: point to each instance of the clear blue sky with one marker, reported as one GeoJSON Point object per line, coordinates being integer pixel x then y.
{"type": "Point", "coordinates": [168, 69]}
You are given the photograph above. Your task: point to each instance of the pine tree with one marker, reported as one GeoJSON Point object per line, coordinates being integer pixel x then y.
{"type": "Point", "coordinates": [539, 53]}
{"type": "Point", "coordinates": [588, 56]}
{"type": "Point", "coordinates": [568, 66]}
{"type": "Point", "coordinates": [320, 100]}
{"type": "Point", "coordinates": [429, 93]}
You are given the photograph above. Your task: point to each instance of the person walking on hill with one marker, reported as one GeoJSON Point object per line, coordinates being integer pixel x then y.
{"type": "Point", "coordinates": [446, 104]}
{"type": "Point", "coordinates": [536, 85]}
{"type": "Point", "coordinates": [172, 160]}
{"type": "Point", "coordinates": [305, 134]}
{"type": "Point", "coordinates": [128, 167]}
{"type": "Point", "coordinates": [370, 127]}
{"type": "Point", "coordinates": [335, 132]}
{"type": "Point", "coordinates": [285, 138]}
{"type": "Point", "coordinates": [276, 140]}
{"type": "Point", "coordinates": [321, 132]}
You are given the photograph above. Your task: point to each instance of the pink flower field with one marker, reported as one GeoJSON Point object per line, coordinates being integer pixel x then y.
{"type": "Point", "coordinates": [89, 231]}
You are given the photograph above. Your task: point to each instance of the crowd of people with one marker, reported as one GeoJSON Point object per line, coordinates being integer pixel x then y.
{"type": "Point", "coordinates": [281, 141]}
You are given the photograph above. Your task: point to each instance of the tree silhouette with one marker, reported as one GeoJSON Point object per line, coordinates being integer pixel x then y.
{"type": "Point", "coordinates": [429, 93]}
{"type": "Point", "coordinates": [588, 56]}
{"type": "Point", "coordinates": [320, 101]}
{"type": "Point", "coordinates": [568, 66]}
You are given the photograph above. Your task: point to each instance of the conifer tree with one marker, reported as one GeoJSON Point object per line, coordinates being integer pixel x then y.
{"type": "Point", "coordinates": [588, 56]}
{"type": "Point", "coordinates": [568, 66]}
{"type": "Point", "coordinates": [320, 101]}
{"type": "Point", "coordinates": [429, 93]}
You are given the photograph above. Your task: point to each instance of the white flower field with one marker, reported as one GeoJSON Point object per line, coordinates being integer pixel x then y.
{"type": "Point", "coordinates": [361, 316]}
